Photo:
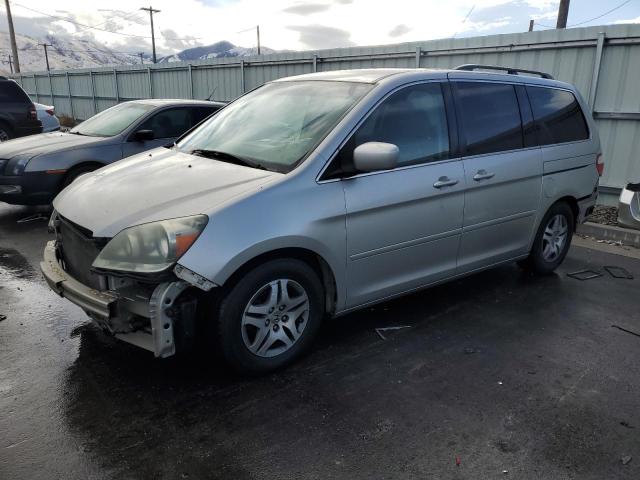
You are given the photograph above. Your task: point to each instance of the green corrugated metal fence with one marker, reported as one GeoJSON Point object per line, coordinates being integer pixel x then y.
{"type": "Point", "coordinates": [603, 62]}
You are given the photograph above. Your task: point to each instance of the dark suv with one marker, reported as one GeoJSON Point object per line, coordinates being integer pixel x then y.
{"type": "Point", "coordinates": [18, 115]}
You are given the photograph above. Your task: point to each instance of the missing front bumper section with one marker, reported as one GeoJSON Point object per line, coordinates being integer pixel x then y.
{"type": "Point", "coordinates": [154, 318]}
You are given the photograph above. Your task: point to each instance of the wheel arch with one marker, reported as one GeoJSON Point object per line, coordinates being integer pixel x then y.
{"type": "Point", "coordinates": [79, 166]}
{"type": "Point", "coordinates": [573, 204]}
{"type": "Point", "coordinates": [312, 259]}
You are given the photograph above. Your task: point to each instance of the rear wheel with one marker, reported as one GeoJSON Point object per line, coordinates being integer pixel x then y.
{"type": "Point", "coordinates": [270, 316]}
{"type": "Point", "coordinates": [552, 241]}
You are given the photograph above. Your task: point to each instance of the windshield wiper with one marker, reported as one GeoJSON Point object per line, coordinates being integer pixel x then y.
{"type": "Point", "coordinates": [225, 157]}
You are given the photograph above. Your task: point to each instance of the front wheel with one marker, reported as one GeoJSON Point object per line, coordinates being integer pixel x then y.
{"type": "Point", "coordinates": [5, 133]}
{"type": "Point", "coordinates": [270, 316]}
{"type": "Point", "coordinates": [552, 241]}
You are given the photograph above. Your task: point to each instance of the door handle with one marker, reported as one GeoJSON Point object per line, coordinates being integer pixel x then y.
{"type": "Point", "coordinates": [445, 182]}
{"type": "Point", "coordinates": [483, 175]}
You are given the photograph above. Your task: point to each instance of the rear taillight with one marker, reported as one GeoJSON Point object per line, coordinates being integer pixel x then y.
{"type": "Point", "coordinates": [600, 164]}
{"type": "Point", "coordinates": [32, 114]}
{"type": "Point", "coordinates": [51, 112]}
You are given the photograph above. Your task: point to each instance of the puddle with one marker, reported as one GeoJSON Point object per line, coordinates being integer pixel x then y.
{"type": "Point", "coordinates": [16, 264]}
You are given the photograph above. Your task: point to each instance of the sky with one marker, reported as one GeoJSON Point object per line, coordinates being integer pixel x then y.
{"type": "Point", "coordinates": [298, 24]}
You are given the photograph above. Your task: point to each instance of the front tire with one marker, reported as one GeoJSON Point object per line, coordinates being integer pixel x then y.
{"type": "Point", "coordinates": [552, 241]}
{"type": "Point", "coordinates": [5, 133]}
{"type": "Point", "coordinates": [270, 316]}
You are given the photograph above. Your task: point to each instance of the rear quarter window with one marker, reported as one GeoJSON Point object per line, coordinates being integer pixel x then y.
{"type": "Point", "coordinates": [557, 115]}
{"type": "Point", "coordinates": [11, 92]}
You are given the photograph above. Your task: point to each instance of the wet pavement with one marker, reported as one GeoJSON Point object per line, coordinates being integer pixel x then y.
{"type": "Point", "coordinates": [499, 372]}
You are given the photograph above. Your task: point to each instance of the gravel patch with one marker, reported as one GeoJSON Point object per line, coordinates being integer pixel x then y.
{"type": "Point", "coordinates": [604, 215]}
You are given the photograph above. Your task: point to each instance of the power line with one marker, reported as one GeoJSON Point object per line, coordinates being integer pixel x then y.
{"type": "Point", "coordinates": [66, 19]}
{"type": "Point", "coordinates": [590, 20]}
{"type": "Point", "coordinates": [465, 19]}
{"type": "Point", "coordinates": [605, 13]}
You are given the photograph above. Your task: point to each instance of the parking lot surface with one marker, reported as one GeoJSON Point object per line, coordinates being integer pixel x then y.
{"type": "Point", "coordinates": [499, 375]}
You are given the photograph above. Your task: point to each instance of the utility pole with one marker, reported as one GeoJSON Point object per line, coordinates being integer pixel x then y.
{"type": "Point", "coordinates": [531, 25]}
{"type": "Point", "coordinates": [46, 54]}
{"type": "Point", "coordinates": [10, 63]}
{"type": "Point", "coordinates": [258, 33]}
{"type": "Point", "coordinates": [153, 35]}
{"type": "Point", "coordinates": [141, 57]}
{"type": "Point", "coordinates": [563, 13]}
{"type": "Point", "coordinates": [12, 35]}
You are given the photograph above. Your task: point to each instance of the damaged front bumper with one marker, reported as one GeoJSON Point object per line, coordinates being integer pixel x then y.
{"type": "Point", "coordinates": [153, 317]}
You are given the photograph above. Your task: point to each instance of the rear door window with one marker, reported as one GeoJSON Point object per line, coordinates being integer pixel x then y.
{"type": "Point", "coordinates": [489, 116]}
{"type": "Point", "coordinates": [200, 113]}
{"type": "Point", "coordinates": [169, 123]}
{"type": "Point", "coordinates": [558, 116]}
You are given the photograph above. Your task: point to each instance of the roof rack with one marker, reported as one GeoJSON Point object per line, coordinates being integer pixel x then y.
{"type": "Point", "coordinates": [470, 67]}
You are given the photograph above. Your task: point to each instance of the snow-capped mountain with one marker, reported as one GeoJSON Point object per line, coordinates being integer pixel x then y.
{"type": "Point", "coordinates": [216, 50]}
{"type": "Point", "coordinates": [64, 53]}
{"type": "Point", "coordinates": [68, 53]}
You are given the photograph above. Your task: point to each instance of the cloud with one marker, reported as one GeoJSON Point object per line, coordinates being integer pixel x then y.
{"type": "Point", "coordinates": [399, 30]}
{"type": "Point", "coordinates": [172, 40]}
{"type": "Point", "coordinates": [307, 8]}
{"type": "Point", "coordinates": [321, 36]}
{"type": "Point", "coordinates": [629, 20]}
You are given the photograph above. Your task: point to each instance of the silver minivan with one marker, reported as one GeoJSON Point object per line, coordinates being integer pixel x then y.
{"type": "Point", "coordinates": [317, 195]}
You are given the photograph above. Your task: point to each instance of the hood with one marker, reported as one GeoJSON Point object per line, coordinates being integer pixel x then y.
{"type": "Point", "coordinates": [44, 143]}
{"type": "Point", "coordinates": [155, 185]}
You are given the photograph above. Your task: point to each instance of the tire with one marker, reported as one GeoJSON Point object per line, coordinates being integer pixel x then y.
{"type": "Point", "coordinates": [6, 133]}
{"type": "Point", "coordinates": [255, 323]}
{"type": "Point", "coordinates": [550, 246]}
{"type": "Point", "coordinates": [74, 173]}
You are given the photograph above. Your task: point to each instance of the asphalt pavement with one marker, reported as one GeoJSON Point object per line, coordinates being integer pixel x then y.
{"type": "Point", "coordinates": [499, 375]}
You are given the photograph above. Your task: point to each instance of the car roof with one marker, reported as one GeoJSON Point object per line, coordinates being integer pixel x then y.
{"type": "Point", "coordinates": [377, 75]}
{"type": "Point", "coordinates": [163, 102]}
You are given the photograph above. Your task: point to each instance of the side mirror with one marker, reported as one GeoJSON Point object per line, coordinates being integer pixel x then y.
{"type": "Point", "coordinates": [374, 156]}
{"type": "Point", "coordinates": [143, 135]}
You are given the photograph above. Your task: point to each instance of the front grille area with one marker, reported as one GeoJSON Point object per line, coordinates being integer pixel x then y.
{"type": "Point", "coordinates": [79, 249]}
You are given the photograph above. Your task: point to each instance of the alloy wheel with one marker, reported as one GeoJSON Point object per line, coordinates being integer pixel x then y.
{"type": "Point", "coordinates": [554, 238]}
{"type": "Point", "coordinates": [275, 317]}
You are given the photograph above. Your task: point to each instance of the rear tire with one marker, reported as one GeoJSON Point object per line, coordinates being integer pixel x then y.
{"type": "Point", "coordinates": [552, 241]}
{"type": "Point", "coordinates": [270, 316]}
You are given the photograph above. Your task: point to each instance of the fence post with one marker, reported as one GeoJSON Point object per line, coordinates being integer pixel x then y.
{"type": "Point", "coordinates": [315, 62]}
{"type": "Point", "coordinates": [35, 83]}
{"type": "Point", "coordinates": [596, 71]}
{"type": "Point", "coordinates": [242, 75]}
{"type": "Point", "coordinates": [73, 115]}
{"type": "Point", "coordinates": [418, 55]}
{"type": "Point", "coordinates": [190, 82]}
{"type": "Point", "coordinates": [93, 92]}
{"type": "Point", "coordinates": [150, 82]}
{"type": "Point", "coordinates": [115, 84]}
{"type": "Point", "coordinates": [53, 100]}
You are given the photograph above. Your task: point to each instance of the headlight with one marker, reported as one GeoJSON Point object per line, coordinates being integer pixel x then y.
{"type": "Point", "coordinates": [16, 165]}
{"type": "Point", "coordinates": [151, 247]}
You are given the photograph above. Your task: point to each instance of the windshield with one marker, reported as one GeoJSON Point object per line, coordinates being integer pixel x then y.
{"type": "Point", "coordinates": [276, 126]}
{"type": "Point", "coordinates": [113, 121]}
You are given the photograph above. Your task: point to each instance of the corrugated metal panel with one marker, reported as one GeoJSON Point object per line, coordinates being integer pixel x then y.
{"type": "Point", "coordinates": [569, 55]}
